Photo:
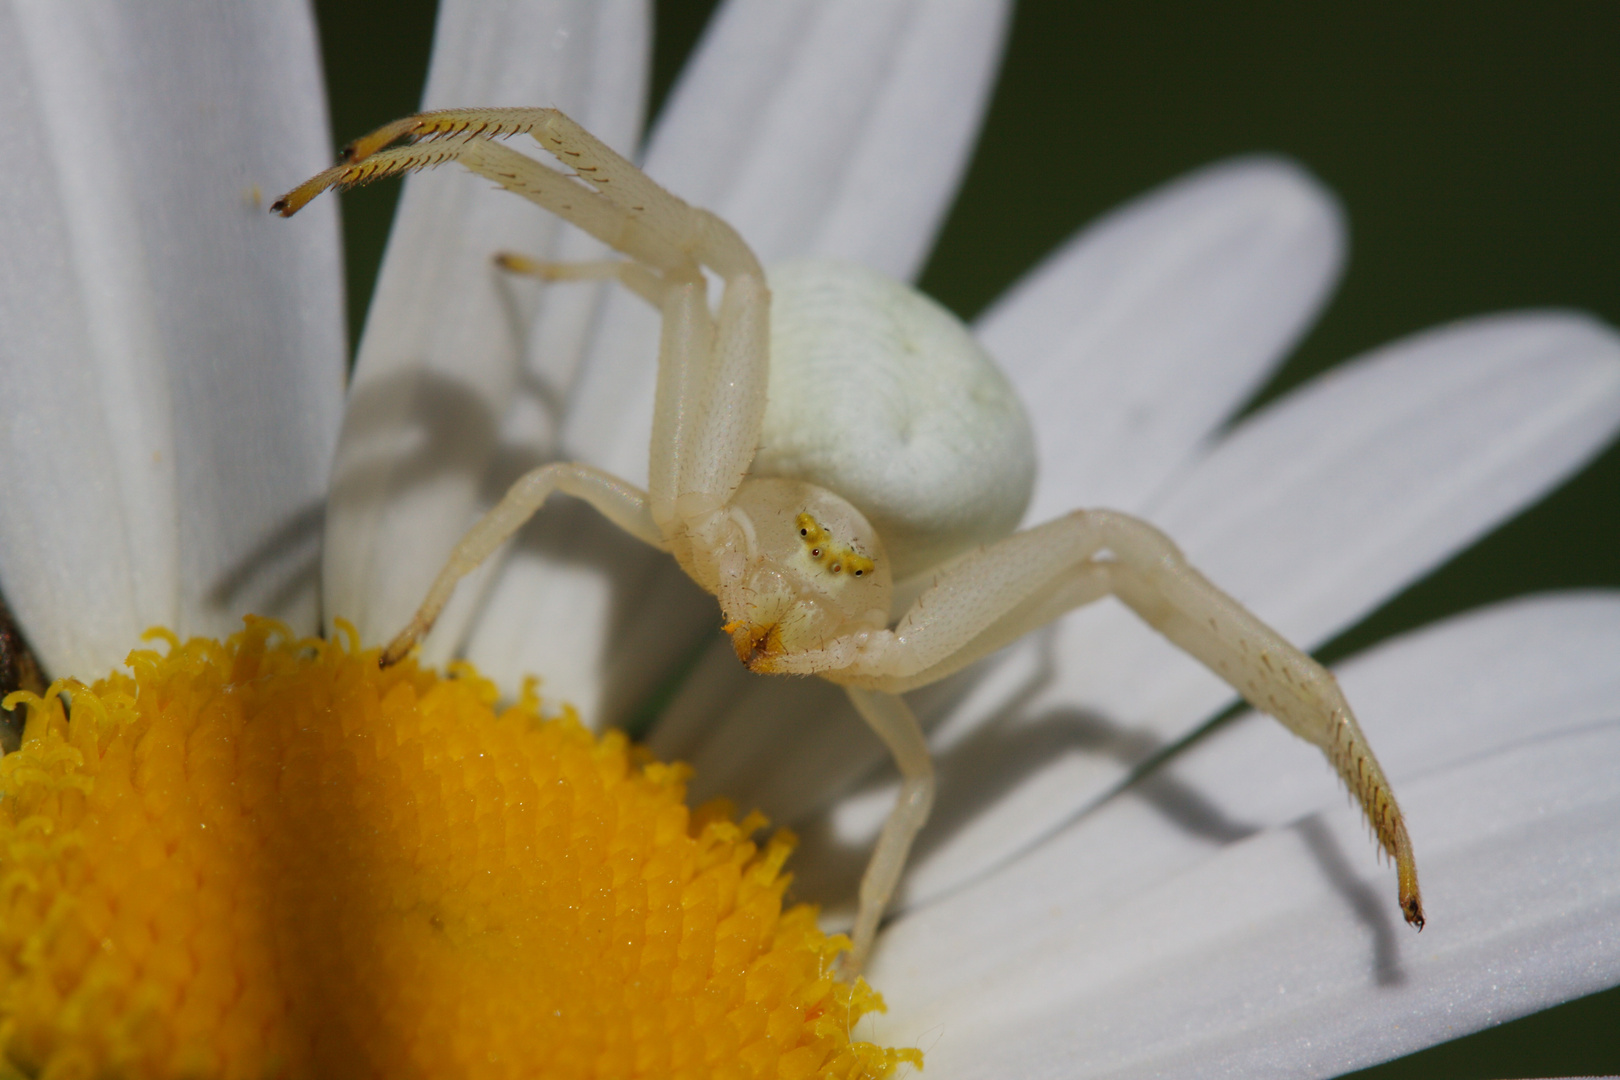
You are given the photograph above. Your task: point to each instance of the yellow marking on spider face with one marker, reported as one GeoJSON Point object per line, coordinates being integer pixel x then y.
{"type": "Point", "coordinates": [826, 552]}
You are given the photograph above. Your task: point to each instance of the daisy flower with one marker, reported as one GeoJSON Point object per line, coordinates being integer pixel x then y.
{"type": "Point", "coordinates": [1094, 897]}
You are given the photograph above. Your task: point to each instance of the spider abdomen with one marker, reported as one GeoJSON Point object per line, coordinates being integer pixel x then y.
{"type": "Point", "coordinates": [878, 393]}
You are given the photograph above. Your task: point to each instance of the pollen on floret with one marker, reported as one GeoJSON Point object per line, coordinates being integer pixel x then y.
{"type": "Point", "coordinates": [270, 858]}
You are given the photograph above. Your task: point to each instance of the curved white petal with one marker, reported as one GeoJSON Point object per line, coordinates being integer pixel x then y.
{"type": "Point", "coordinates": [1284, 955]}
{"type": "Point", "coordinates": [1133, 341]}
{"type": "Point", "coordinates": [815, 128]}
{"type": "Point", "coordinates": [444, 411]}
{"type": "Point", "coordinates": [1128, 346]}
{"type": "Point", "coordinates": [171, 357]}
{"type": "Point", "coordinates": [1389, 464]}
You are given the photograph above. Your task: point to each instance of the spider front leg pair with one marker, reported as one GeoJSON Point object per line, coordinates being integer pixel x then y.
{"type": "Point", "coordinates": [776, 506]}
{"type": "Point", "coordinates": [712, 367]}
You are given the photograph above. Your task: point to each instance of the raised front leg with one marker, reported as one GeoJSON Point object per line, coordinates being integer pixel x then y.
{"type": "Point", "coordinates": [638, 203]}
{"type": "Point", "coordinates": [1005, 590]}
{"type": "Point", "coordinates": [710, 404]}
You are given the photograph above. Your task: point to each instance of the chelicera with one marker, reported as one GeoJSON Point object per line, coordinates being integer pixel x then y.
{"type": "Point", "coordinates": [837, 461]}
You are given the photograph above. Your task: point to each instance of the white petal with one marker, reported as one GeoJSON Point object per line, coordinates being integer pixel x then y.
{"type": "Point", "coordinates": [814, 128]}
{"type": "Point", "coordinates": [1284, 955]}
{"type": "Point", "coordinates": [442, 412]}
{"type": "Point", "coordinates": [1312, 512]}
{"type": "Point", "coordinates": [1146, 330]}
{"type": "Point", "coordinates": [172, 357]}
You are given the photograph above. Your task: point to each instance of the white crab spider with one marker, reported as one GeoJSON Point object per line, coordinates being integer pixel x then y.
{"type": "Point", "coordinates": [884, 419]}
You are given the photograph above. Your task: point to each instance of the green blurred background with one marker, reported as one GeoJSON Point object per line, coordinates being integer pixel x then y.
{"type": "Point", "coordinates": [1475, 145]}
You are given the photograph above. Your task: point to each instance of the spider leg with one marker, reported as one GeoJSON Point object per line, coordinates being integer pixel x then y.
{"type": "Point", "coordinates": [555, 191]}
{"type": "Point", "coordinates": [694, 231]}
{"type": "Point", "coordinates": [710, 397]}
{"type": "Point", "coordinates": [619, 502]}
{"type": "Point", "coordinates": [891, 718]}
{"type": "Point", "coordinates": [996, 594]}
{"type": "Point", "coordinates": [710, 400]}
{"type": "Point", "coordinates": [633, 276]}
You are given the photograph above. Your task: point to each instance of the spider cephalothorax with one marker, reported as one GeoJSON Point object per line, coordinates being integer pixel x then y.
{"type": "Point", "coordinates": [814, 574]}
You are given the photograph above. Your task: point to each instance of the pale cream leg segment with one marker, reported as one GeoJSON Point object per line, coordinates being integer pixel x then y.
{"type": "Point", "coordinates": [895, 724]}
{"type": "Point", "coordinates": [690, 229]}
{"type": "Point", "coordinates": [719, 411]}
{"type": "Point", "coordinates": [1008, 588]}
{"type": "Point", "coordinates": [710, 398]}
{"type": "Point", "coordinates": [685, 351]}
{"type": "Point", "coordinates": [731, 400]}
{"type": "Point", "coordinates": [447, 135]}
{"type": "Point", "coordinates": [638, 279]}
{"type": "Point", "coordinates": [623, 504]}
{"type": "Point", "coordinates": [1075, 588]}
{"type": "Point", "coordinates": [619, 228]}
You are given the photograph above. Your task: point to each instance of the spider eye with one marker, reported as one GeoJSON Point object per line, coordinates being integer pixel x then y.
{"type": "Point", "coordinates": [815, 553]}
{"type": "Point", "coordinates": [858, 573]}
{"type": "Point", "coordinates": [804, 532]}
{"type": "Point", "coordinates": [836, 567]}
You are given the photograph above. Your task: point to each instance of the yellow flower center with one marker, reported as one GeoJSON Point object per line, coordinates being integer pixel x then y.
{"type": "Point", "coordinates": [270, 858]}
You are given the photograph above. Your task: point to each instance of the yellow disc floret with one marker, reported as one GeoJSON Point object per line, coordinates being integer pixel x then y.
{"type": "Point", "coordinates": [269, 858]}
